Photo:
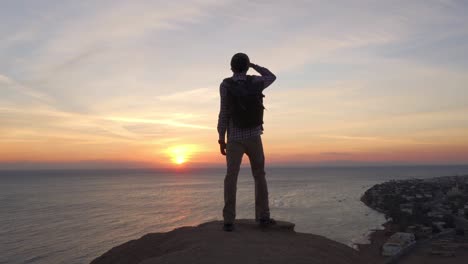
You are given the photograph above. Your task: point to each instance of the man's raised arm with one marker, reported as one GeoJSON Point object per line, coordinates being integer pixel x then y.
{"type": "Point", "coordinates": [266, 75]}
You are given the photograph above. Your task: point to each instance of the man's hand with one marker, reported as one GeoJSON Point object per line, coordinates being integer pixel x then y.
{"type": "Point", "coordinates": [222, 147]}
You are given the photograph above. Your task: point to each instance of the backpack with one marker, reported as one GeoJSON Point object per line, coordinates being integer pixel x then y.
{"type": "Point", "coordinates": [245, 102]}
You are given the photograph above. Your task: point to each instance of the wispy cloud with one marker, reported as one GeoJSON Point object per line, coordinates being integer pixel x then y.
{"type": "Point", "coordinates": [156, 121]}
{"type": "Point", "coordinates": [201, 95]}
{"type": "Point", "coordinates": [8, 83]}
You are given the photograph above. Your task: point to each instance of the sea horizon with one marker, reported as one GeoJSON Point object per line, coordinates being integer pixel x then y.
{"type": "Point", "coordinates": [188, 168]}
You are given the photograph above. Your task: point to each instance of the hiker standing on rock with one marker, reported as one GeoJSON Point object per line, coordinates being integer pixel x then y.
{"type": "Point", "coordinates": [241, 116]}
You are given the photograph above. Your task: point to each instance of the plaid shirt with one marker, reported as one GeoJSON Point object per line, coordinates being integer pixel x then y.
{"type": "Point", "coordinates": [224, 119]}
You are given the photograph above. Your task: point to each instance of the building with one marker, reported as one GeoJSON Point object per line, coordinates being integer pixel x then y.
{"type": "Point", "coordinates": [455, 191]}
{"type": "Point", "coordinates": [397, 242]}
{"type": "Point", "coordinates": [461, 225]}
{"type": "Point", "coordinates": [439, 225]}
{"type": "Point", "coordinates": [420, 231]}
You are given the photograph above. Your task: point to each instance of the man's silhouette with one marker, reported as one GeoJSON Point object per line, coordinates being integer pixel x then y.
{"type": "Point", "coordinates": [241, 116]}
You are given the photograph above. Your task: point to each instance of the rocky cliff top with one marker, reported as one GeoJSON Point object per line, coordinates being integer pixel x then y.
{"type": "Point", "coordinates": [208, 243]}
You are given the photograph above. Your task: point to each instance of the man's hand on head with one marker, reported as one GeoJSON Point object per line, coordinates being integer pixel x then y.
{"type": "Point", "coordinates": [222, 147]}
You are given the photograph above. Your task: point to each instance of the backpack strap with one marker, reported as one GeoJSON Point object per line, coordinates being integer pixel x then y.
{"type": "Point", "coordinates": [249, 82]}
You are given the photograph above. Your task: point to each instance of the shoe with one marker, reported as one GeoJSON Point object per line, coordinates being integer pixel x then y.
{"type": "Point", "coordinates": [228, 227]}
{"type": "Point", "coordinates": [267, 222]}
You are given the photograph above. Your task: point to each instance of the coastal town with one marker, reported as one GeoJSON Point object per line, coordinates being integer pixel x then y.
{"type": "Point", "coordinates": [422, 213]}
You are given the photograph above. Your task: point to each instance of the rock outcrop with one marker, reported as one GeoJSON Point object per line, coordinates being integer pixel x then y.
{"type": "Point", "coordinates": [249, 243]}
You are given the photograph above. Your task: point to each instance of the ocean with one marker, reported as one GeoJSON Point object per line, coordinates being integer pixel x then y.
{"type": "Point", "coordinates": [75, 216]}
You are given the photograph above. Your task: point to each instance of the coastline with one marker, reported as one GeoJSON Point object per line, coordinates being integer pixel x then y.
{"type": "Point", "coordinates": [377, 237]}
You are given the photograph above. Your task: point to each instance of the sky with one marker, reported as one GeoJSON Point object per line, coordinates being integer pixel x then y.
{"type": "Point", "coordinates": [119, 83]}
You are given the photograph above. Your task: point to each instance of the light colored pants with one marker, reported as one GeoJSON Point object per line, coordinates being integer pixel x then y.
{"type": "Point", "coordinates": [234, 151]}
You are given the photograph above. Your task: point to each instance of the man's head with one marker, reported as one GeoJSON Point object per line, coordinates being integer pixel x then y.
{"type": "Point", "coordinates": [240, 62]}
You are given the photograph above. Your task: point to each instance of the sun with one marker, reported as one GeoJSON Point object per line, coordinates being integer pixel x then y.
{"type": "Point", "coordinates": [179, 159]}
{"type": "Point", "coordinates": [181, 154]}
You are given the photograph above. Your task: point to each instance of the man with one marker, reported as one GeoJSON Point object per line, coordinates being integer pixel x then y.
{"type": "Point", "coordinates": [241, 116]}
